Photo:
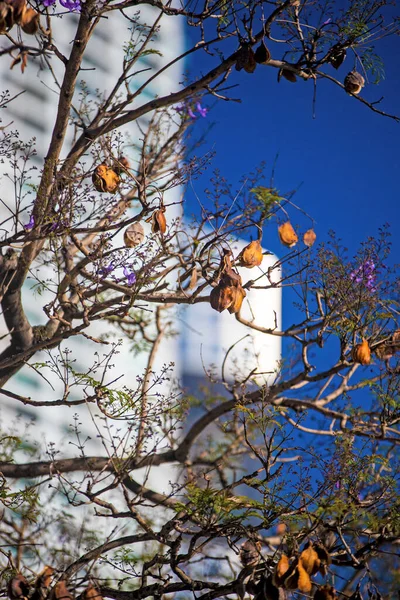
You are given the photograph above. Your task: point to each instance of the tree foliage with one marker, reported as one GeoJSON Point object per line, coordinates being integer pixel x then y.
{"type": "Point", "coordinates": [287, 489]}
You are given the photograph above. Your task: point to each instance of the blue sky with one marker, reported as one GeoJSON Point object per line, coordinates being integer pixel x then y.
{"type": "Point", "coordinates": [346, 159]}
{"type": "Point", "coordinates": [345, 162]}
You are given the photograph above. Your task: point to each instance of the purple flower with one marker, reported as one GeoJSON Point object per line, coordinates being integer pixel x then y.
{"type": "Point", "coordinates": [365, 274]}
{"type": "Point", "coordinates": [130, 276]}
{"type": "Point", "coordinates": [202, 111]}
{"type": "Point", "coordinates": [29, 226]}
{"type": "Point", "coordinates": [105, 271]}
{"type": "Point", "coordinates": [327, 21]}
{"type": "Point", "coordinates": [190, 112]}
{"type": "Point", "coordinates": [71, 4]}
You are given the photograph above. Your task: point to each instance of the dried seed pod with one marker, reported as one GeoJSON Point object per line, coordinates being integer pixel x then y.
{"type": "Point", "coordinates": [354, 82]}
{"type": "Point", "coordinates": [60, 592]}
{"type": "Point", "coordinates": [287, 234]}
{"type": "Point", "coordinates": [326, 592]}
{"type": "Point", "coordinates": [251, 256]}
{"type": "Point", "coordinates": [133, 235]}
{"type": "Point", "coordinates": [18, 588]}
{"type": "Point", "coordinates": [29, 20]}
{"type": "Point", "coordinates": [91, 593]}
{"type": "Point", "coordinates": [262, 55]}
{"type": "Point", "coordinates": [281, 569]}
{"type": "Point", "coordinates": [158, 221]}
{"type": "Point", "coordinates": [304, 582]}
{"type": "Point", "coordinates": [105, 179]}
{"type": "Point", "coordinates": [42, 583]}
{"type": "Point", "coordinates": [309, 237]}
{"type": "Point", "coordinates": [249, 553]}
{"type": "Point", "coordinates": [324, 558]}
{"type": "Point", "coordinates": [245, 59]}
{"type": "Point", "coordinates": [6, 17]}
{"type": "Point", "coordinates": [309, 559]}
{"type": "Point", "coordinates": [18, 7]}
{"type": "Point", "coordinates": [221, 297]}
{"type": "Point", "coordinates": [289, 75]}
{"type": "Point", "coordinates": [239, 295]}
{"type": "Point", "coordinates": [121, 165]}
{"type": "Point", "coordinates": [362, 353]}
{"type": "Point", "coordinates": [338, 57]}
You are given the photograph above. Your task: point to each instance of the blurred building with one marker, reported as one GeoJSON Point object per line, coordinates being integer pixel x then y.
{"type": "Point", "coordinates": [205, 336]}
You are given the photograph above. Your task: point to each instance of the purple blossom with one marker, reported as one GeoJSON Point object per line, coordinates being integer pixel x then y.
{"type": "Point", "coordinates": [189, 110]}
{"type": "Point", "coordinates": [327, 21]}
{"type": "Point", "coordinates": [202, 111]}
{"type": "Point", "coordinates": [105, 271]}
{"type": "Point", "coordinates": [70, 5]}
{"type": "Point", "coordinates": [29, 226]}
{"type": "Point", "coordinates": [130, 276]}
{"type": "Point", "coordinates": [365, 274]}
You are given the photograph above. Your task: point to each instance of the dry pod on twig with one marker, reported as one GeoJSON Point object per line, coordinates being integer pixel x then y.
{"type": "Point", "coordinates": [91, 593]}
{"type": "Point", "coordinates": [289, 75]}
{"type": "Point", "coordinates": [121, 165]}
{"type": "Point", "coordinates": [29, 20]}
{"type": "Point", "coordinates": [42, 583]}
{"type": "Point", "coordinates": [105, 179]}
{"type": "Point", "coordinates": [310, 559]}
{"type": "Point", "coordinates": [60, 592]}
{"type": "Point", "coordinates": [326, 592]}
{"type": "Point", "coordinates": [158, 221]}
{"type": "Point", "coordinates": [245, 59]}
{"type": "Point", "coordinates": [287, 234]}
{"type": "Point", "coordinates": [354, 82]}
{"type": "Point", "coordinates": [304, 582]}
{"type": "Point", "coordinates": [251, 256]}
{"type": "Point", "coordinates": [133, 235]}
{"type": "Point", "coordinates": [262, 55]}
{"type": "Point", "coordinates": [338, 57]}
{"type": "Point", "coordinates": [221, 297]}
{"type": "Point", "coordinates": [239, 295]}
{"type": "Point", "coordinates": [281, 569]}
{"type": "Point", "coordinates": [324, 558]}
{"type": "Point", "coordinates": [362, 353]}
{"type": "Point", "coordinates": [18, 588]}
{"type": "Point", "coordinates": [309, 237]}
{"type": "Point", "coordinates": [249, 553]}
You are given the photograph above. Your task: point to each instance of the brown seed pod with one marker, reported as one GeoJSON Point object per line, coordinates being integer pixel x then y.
{"type": "Point", "coordinates": [309, 559]}
{"type": "Point", "coordinates": [289, 75]}
{"type": "Point", "coordinates": [324, 558]}
{"type": "Point", "coordinates": [326, 592]}
{"type": "Point", "coordinates": [338, 57]}
{"type": "Point", "coordinates": [222, 297]}
{"type": "Point", "coordinates": [121, 165]}
{"type": "Point", "coordinates": [29, 20]}
{"type": "Point", "coordinates": [105, 179]}
{"type": "Point", "coordinates": [245, 59]}
{"type": "Point", "coordinates": [262, 55]}
{"type": "Point", "coordinates": [42, 583]}
{"type": "Point", "coordinates": [249, 553]}
{"type": "Point", "coordinates": [91, 593]}
{"type": "Point", "coordinates": [18, 588]}
{"type": "Point", "coordinates": [60, 592]}
{"type": "Point", "coordinates": [133, 235]}
{"type": "Point", "coordinates": [158, 221]}
{"type": "Point", "coordinates": [309, 237]}
{"type": "Point", "coordinates": [6, 17]}
{"type": "Point", "coordinates": [362, 353]}
{"type": "Point", "coordinates": [281, 569]}
{"type": "Point", "coordinates": [287, 234]}
{"type": "Point", "coordinates": [239, 295]}
{"type": "Point", "coordinates": [354, 82]}
{"type": "Point", "coordinates": [304, 582]}
{"type": "Point", "coordinates": [251, 256]}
